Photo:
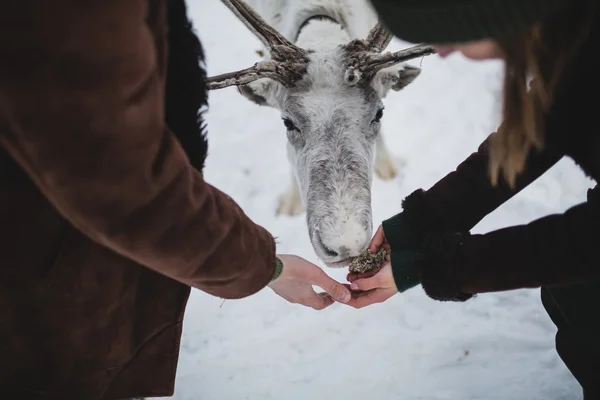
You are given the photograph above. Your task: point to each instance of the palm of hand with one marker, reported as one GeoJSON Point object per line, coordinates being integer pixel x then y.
{"type": "Point", "coordinates": [374, 286]}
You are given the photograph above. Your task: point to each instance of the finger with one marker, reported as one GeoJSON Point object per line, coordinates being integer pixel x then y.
{"type": "Point", "coordinates": [369, 273]}
{"type": "Point", "coordinates": [316, 301]}
{"type": "Point", "coordinates": [351, 277]}
{"type": "Point", "coordinates": [356, 294]}
{"type": "Point", "coordinates": [377, 240]}
{"type": "Point", "coordinates": [377, 277]}
{"type": "Point", "coordinates": [338, 291]}
{"type": "Point", "coordinates": [365, 284]}
{"type": "Point", "coordinates": [327, 299]}
{"type": "Point", "coordinates": [352, 292]}
{"type": "Point", "coordinates": [371, 297]}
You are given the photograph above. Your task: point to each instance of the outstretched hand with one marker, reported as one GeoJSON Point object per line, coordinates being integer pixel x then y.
{"type": "Point", "coordinates": [372, 287]}
{"type": "Point", "coordinates": [375, 286]}
{"type": "Point", "coordinates": [296, 281]}
{"type": "Point", "coordinates": [377, 242]}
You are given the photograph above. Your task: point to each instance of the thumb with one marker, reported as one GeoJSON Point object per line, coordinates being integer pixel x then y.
{"type": "Point", "coordinates": [377, 240]}
{"type": "Point", "coordinates": [318, 301]}
{"type": "Point", "coordinates": [327, 300]}
{"type": "Point", "coordinates": [335, 289]}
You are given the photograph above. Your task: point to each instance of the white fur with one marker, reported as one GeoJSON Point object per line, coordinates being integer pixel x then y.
{"type": "Point", "coordinates": [341, 221]}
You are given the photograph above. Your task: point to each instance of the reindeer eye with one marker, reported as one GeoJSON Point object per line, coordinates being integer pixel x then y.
{"type": "Point", "coordinates": [289, 124]}
{"type": "Point", "coordinates": [379, 115]}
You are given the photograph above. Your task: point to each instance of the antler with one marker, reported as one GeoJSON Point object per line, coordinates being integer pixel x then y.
{"type": "Point", "coordinates": [288, 61]}
{"type": "Point", "coordinates": [366, 58]}
{"type": "Point", "coordinates": [379, 37]}
{"type": "Point", "coordinates": [285, 73]}
{"type": "Point", "coordinates": [378, 62]}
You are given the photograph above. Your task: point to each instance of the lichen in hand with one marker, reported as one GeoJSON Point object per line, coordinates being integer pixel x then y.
{"type": "Point", "coordinates": [367, 261]}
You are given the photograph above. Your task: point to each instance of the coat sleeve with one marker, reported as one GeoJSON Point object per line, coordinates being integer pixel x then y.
{"type": "Point", "coordinates": [435, 221]}
{"type": "Point", "coordinates": [81, 111]}
{"type": "Point", "coordinates": [556, 250]}
{"type": "Point", "coordinates": [559, 249]}
{"type": "Point", "coordinates": [461, 199]}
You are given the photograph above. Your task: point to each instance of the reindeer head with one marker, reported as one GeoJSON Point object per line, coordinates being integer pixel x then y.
{"type": "Point", "coordinates": [331, 106]}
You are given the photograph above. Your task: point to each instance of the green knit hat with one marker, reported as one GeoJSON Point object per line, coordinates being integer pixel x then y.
{"type": "Point", "coordinates": [448, 21]}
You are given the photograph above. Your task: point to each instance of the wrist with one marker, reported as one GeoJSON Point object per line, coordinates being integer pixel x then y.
{"type": "Point", "coordinates": [278, 268]}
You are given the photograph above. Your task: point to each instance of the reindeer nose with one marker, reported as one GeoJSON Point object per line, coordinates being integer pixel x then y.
{"type": "Point", "coordinates": [348, 240]}
{"type": "Point", "coordinates": [328, 249]}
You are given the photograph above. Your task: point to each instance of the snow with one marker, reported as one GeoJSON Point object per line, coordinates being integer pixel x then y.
{"type": "Point", "coordinates": [496, 346]}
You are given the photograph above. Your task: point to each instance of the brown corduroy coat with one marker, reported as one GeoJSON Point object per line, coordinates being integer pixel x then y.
{"type": "Point", "coordinates": [104, 222]}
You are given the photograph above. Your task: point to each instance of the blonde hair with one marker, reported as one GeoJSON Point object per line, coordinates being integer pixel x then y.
{"type": "Point", "coordinates": [539, 55]}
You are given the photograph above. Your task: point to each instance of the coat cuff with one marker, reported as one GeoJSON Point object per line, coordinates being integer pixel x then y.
{"type": "Point", "coordinates": [407, 229]}
{"type": "Point", "coordinates": [436, 269]}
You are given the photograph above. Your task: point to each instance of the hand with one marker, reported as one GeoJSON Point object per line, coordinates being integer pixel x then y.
{"type": "Point", "coordinates": [378, 241]}
{"type": "Point", "coordinates": [372, 287]}
{"type": "Point", "coordinates": [296, 280]}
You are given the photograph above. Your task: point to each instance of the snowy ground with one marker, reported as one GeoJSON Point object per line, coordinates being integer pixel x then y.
{"type": "Point", "coordinates": [497, 346]}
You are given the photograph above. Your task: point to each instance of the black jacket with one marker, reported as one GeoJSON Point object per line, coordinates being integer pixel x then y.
{"type": "Point", "coordinates": [558, 249]}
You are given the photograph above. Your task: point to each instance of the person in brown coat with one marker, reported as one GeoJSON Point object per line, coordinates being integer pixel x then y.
{"type": "Point", "coordinates": [106, 221]}
{"type": "Point", "coordinates": [554, 42]}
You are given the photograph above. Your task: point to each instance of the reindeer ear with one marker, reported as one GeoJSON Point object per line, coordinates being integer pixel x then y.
{"type": "Point", "coordinates": [406, 76]}
{"type": "Point", "coordinates": [263, 92]}
{"type": "Point", "coordinates": [395, 78]}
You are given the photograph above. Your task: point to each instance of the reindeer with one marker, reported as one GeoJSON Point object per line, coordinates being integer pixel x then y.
{"type": "Point", "coordinates": [328, 85]}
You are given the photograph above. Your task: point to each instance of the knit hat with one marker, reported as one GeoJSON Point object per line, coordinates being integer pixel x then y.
{"type": "Point", "coordinates": [452, 21]}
